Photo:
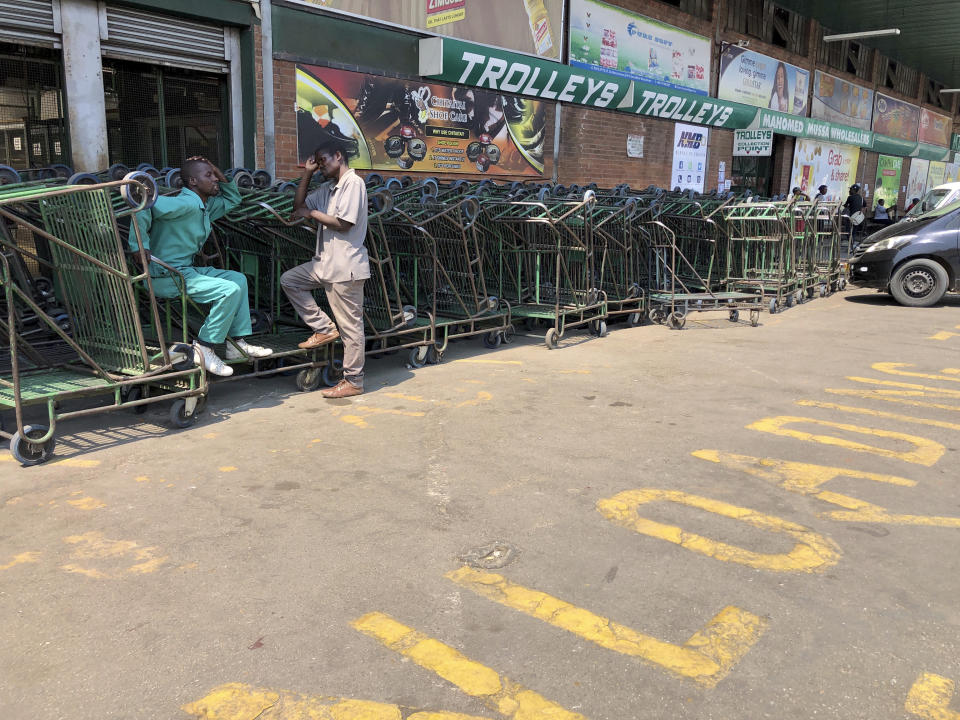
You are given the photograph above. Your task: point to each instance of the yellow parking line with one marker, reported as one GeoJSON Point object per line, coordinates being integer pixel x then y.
{"type": "Point", "coordinates": [929, 698]}
{"type": "Point", "coordinates": [504, 696]}
{"type": "Point", "coordinates": [237, 701]}
{"type": "Point", "coordinates": [878, 413]}
{"type": "Point", "coordinates": [707, 657]}
{"type": "Point", "coordinates": [67, 462]}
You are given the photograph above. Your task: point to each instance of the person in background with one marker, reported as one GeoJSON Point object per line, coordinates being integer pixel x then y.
{"type": "Point", "coordinates": [880, 211]}
{"type": "Point", "coordinates": [912, 203]}
{"type": "Point", "coordinates": [851, 206]}
{"type": "Point", "coordinates": [341, 264]}
{"type": "Point", "coordinates": [173, 231]}
{"type": "Point", "coordinates": [821, 193]}
{"type": "Point", "coordinates": [797, 195]}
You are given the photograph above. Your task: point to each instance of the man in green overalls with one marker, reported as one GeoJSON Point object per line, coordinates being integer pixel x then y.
{"type": "Point", "coordinates": [173, 231]}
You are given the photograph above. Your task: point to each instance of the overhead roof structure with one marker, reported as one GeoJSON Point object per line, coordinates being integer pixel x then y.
{"type": "Point", "coordinates": [930, 30]}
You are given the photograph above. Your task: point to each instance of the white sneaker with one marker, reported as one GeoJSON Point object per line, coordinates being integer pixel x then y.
{"type": "Point", "coordinates": [211, 361]}
{"type": "Point", "coordinates": [240, 349]}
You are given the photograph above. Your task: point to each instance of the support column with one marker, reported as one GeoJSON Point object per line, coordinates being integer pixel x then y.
{"type": "Point", "coordinates": [83, 84]}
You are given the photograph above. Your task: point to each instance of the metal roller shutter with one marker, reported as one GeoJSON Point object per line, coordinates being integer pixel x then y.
{"type": "Point", "coordinates": [164, 40]}
{"type": "Point", "coordinates": [30, 22]}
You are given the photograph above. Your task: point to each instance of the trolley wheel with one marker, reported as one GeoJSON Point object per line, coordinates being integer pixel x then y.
{"type": "Point", "coordinates": [417, 357]}
{"type": "Point", "coordinates": [173, 179]}
{"type": "Point", "coordinates": [308, 379]}
{"type": "Point", "coordinates": [64, 323]}
{"type": "Point", "coordinates": [676, 320]}
{"type": "Point", "coordinates": [552, 338]}
{"type": "Point", "coordinates": [142, 195]}
{"type": "Point", "coordinates": [634, 319]}
{"type": "Point", "coordinates": [509, 334]}
{"type": "Point", "coordinates": [790, 300]}
{"type": "Point", "coordinates": [492, 339]}
{"type": "Point", "coordinates": [182, 356]}
{"type": "Point", "coordinates": [409, 315]}
{"type": "Point", "coordinates": [62, 171]}
{"type": "Point", "coordinates": [434, 356]}
{"type": "Point", "coordinates": [332, 373]}
{"type": "Point", "coordinates": [178, 413]}
{"type": "Point", "coordinates": [244, 179]}
{"type": "Point", "coordinates": [287, 188]}
{"type": "Point", "coordinates": [8, 176]}
{"type": "Point", "coordinates": [134, 394]}
{"type": "Point", "coordinates": [145, 167]}
{"type": "Point", "coordinates": [842, 284]}
{"type": "Point", "coordinates": [260, 321]}
{"type": "Point", "coordinates": [262, 179]}
{"type": "Point", "coordinates": [811, 292]}
{"type": "Point", "coordinates": [823, 290]}
{"type": "Point", "coordinates": [117, 171]}
{"type": "Point", "coordinates": [30, 453]}
{"type": "Point", "coordinates": [734, 316]}
{"type": "Point", "coordinates": [80, 178]}
{"type": "Point", "coordinates": [598, 328]}
{"type": "Point", "coordinates": [773, 306]}
{"type": "Point", "coordinates": [657, 315]}
{"type": "Point", "coordinates": [754, 317]}
{"type": "Point", "coordinates": [43, 285]}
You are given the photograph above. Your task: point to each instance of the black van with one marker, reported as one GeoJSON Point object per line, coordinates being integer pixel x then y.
{"type": "Point", "coordinates": [916, 260]}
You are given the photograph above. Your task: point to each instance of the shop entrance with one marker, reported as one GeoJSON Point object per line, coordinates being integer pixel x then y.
{"type": "Point", "coordinates": [752, 173]}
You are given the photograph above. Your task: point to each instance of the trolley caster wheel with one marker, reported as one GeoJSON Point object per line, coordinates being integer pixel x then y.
{"type": "Point", "coordinates": [409, 315]}
{"type": "Point", "coordinates": [29, 453]}
{"type": "Point", "coordinates": [754, 317]}
{"type": "Point", "coordinates": [552, 338]}
{"type": "Point", "coordinates": [657, 315]}
{"type": "Point", "coordinates": [308, 379]}
{"type": "Point", "coordinates": [823, 291]}
{"type": "Point", "coordinates": [43, 286]}
{"type": "Point", "coordinates": [676, 320]}
{"type": "Point", "coordinates": [773, 306]}
{"type": "Point", "coordinates": [260, 321]}
{"type": "Point", "coordinates": [417, 356]}
{"type": "Point", "coordinates": [63, 322]}
{"type": "Point", "coordinates": [790, 300]}
{"type": "Point", "coordinates": [734, 316]}
{"type": "Point", "coordinates": [509, 334]}
{"type": "Point", "coordinates": [492, 340]}
{"type": "Point", "coordinates": [178, 413]}
{"type": "Point", "coordinates": [182, 357]}
{"type": "Point", "coordinates": [634, 319]}
{"type": "Point", "coordinates": [811, 292]}
{"type": "Point", "coordinates": [434, 356]}
{"type": "Point", "coordinates": [133, 395]}
{"type": "Point", "coordinates": [598, 328]}
{"type": "Point", "coordinates": [332, 373]}
{"type": "Point", "coordinates": [842, 284]}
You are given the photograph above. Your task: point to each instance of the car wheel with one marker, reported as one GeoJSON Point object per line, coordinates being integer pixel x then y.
{"type": "Point", "coordinates": [919, 283]}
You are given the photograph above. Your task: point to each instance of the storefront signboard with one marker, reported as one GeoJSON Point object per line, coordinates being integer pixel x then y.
{"type": "Point", "coordinates": [616, 41]}
{"type": "Point", "coordinates": [895, 118]}
{"type": "Point", "coordinates": [839, 101]}
{"type": "Point", "coordinates": [421, 126]}
{"type": "Point", "coordinates": [534, 27]}
{"type": "Point", "coordinates": [752, 143]}
{"type": "Point", "coordinates": [753, 79]}
{"type": "Point", "coordinates": [917, 180]}
{"type": "Point", "coordinates": [935, 128]}
{"type": "Point", "coordinates": [689, 157]}
{"type": "Point", "coordinates": [817, 163]}
{"type": "Point", "coordinates": [887, 187]}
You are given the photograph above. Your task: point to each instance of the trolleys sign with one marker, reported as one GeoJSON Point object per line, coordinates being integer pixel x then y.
{"type": "Point", "coordinates": [752, 143]}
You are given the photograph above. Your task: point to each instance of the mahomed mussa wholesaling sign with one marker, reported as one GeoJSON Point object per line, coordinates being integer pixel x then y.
{"type": "Point", "coordinates": [465, 63]}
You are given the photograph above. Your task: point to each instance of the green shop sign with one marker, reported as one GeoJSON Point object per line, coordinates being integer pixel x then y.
{"type": "Point", "coordinates": [467, 63]}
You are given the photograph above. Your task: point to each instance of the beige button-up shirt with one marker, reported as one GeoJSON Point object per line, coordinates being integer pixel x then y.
{"type": "Point", "coordinates": [342, 256]}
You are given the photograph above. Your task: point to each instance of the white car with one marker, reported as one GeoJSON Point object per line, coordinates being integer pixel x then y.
{"type": "Point", "coordinates": [938, 197]}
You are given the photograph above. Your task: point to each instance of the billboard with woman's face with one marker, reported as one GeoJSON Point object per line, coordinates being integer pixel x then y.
{"type": "Point", "coordinates": [753, 79]}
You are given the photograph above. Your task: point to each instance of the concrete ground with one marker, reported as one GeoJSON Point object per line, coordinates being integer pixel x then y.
{"type": "Point", "coordinates": [722, 522]}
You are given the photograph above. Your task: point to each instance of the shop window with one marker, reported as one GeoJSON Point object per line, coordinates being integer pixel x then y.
{"type": "Point", "coordinates": [752, 173]}
{"type": "Point", "coordinates": [699, 8]}
{"type": "Point", "coordinates": [770, 23]}
{"type": "Point", "coordinates": [33, 128]}
{"type": "Point", "coordinates": [164, 115]}
{"type": "Point", "coordinates": [847, 56]}
{"type": "Point", "coordinates": [933, 96]}
{"type": "Point", "coordinates": [899, 77]}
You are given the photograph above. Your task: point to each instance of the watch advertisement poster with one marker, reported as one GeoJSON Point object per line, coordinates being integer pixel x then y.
{"type": "Point", "coordinates": [689, 157]}
{"type": "Point", "coordinates": [616, 41]}
{"type": "Point", "coordinates": [415, 126]}
{"type": "Point", "coordinates": [753, 79]}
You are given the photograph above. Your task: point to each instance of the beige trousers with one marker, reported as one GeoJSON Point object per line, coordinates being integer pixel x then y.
{"type": "Point", "coordinates": [346, 302]}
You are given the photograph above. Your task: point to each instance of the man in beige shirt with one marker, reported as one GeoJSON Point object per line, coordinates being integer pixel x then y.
{"type": "Point", "coordinates": [340, 265]}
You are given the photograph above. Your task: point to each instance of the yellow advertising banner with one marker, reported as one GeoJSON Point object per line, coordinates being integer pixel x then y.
{"type": "Point", "coordinates": [534, 27]}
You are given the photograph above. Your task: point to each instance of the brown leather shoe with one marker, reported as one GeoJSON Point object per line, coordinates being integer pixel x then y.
{"type": "Point", "coordinates": [342, 389]}
{"type": "Point", "coordinates": [318, 340]}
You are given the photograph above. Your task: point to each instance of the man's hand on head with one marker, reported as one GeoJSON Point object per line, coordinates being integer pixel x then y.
{"type": "Point", "coordinates": [311, 165]}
